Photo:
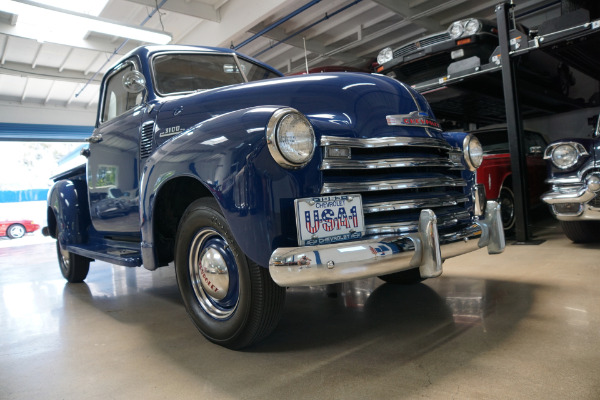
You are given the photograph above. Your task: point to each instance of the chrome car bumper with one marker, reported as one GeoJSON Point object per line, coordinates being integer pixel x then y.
{"type": "Point", "coordinates": [569, 202]}
{"type": "Point", "coordinates": [425, 249]}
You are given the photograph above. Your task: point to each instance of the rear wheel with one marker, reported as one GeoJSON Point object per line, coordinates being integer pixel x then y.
{"type": "Point", "coordinates": [581, 231]}
{"type": "Point", "coordinates": [73, 267]}
{"type": "Point", "coordinates": [232, 301]}
{"type": "Point", "coordinates": [408, 277]}
{"type": "Point", "coordinates": [507, 208]}
{"type": "Point", "coordinates": [15, 231]}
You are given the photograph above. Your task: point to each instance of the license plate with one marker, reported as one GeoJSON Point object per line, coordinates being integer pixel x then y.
{"type": "Point", "coordinates": [329, 219]}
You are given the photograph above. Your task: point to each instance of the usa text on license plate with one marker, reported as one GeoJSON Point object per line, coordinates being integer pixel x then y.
{"type": "Point", "coordinates": [329, 219]}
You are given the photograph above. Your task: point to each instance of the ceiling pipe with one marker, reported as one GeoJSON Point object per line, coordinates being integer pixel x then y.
{"type": "Point", "coordinates": [276, 24]}
{"type": "Point", "coordinates": [326, 17]}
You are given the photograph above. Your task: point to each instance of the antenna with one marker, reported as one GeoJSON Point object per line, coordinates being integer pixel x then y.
{"type": "Point", "coordinates": [305, 58]}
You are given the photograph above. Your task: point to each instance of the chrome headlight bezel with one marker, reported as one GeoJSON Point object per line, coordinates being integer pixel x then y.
{"type": "Point", "coordinates": [464, 27]}
{"type": "Point", "coordinates": [385, 55]}
{"type": "Point", "coordinates": [456, 29]}
{"type": "Point", "coordinates": [472, 26]}
{"type": "Point", "coordinates": [280, 151]}
{"type": "Point", "coordinates": [473, 152]}
{"type": "Point", "coordinates": [552, 153]}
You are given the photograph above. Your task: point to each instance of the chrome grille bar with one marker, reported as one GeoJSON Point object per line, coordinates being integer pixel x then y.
{"type": "Point", "coordinates": [386, 163]}
{"type": "Point", "coordinates": [412, 204]}
{"type": "Point", "coordinates": [393, 184]}
{"type": "Point", "coordinates": [446, 221]}
{"type": "Point", "coordinates": [385, 142]}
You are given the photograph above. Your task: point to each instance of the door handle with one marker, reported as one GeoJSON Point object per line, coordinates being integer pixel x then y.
{"type": "Point", "coordinates": [94, 138]}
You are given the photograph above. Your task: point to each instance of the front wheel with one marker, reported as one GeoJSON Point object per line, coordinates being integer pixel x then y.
{"type": "Point", "coordinates": [232, 301]}
{"type": "Point", "coordinates": [73, 267]}
{"type": "Point", "coordinates": [581, 231]}
{"type": "Point", "coordinates": [15, 231]}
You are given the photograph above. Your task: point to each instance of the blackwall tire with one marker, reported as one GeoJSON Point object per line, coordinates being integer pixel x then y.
{"type": "Point", "coordinates": [408, 277]}
{"type": "Point", "coordinates": [506, 200]}
{"type": "Point", "coordinates": [73, 267]}
{"type": "Point", "coordinates": [16, 231]}
{"type": "Point", "coordinates": [232, 301]}
{"type": "Point", "coordinates": [581, 231]}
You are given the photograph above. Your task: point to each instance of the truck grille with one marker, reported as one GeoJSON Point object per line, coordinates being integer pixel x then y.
{"type": "Point", "coordinates": [421, 44]}
{"type": "Point", "coordinates": [397, 177]}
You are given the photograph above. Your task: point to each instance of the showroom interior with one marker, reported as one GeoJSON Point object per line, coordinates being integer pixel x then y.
{"type": "Point", "coordinates": [517, 320]}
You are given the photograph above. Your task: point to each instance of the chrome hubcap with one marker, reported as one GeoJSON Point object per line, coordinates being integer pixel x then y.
{"type": "Point", "coordinates": [17, 231]}
{"type": "Point", "coordinates": [215, 278]}
{"type": "Point", "coordinates": [213, 274]}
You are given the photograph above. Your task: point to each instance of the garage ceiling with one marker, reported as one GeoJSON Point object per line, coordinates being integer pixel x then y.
{"type": "Point", "coordinates": [50, 79]}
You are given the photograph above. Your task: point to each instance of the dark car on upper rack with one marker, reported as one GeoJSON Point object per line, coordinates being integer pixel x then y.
{"type": "Point", "coordinates": [465, 46]}
{"type": "Point", "coordinates": [495, 172]}
{"type": "Point", "coordinates": [574, 173]}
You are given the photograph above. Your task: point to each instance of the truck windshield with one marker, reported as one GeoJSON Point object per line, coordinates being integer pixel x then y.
{"type": "Point", "coordinates": [180, 73]}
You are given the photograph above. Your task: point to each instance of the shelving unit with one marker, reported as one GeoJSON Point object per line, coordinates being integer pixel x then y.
{"type": "Point", "coordinates": [500, 92]}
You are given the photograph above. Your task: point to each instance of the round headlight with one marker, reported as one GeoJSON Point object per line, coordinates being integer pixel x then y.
{"type": "Point", "coordinates": [290, 138]}
{"type": "Point", "coordinates": [385, 55]}
{"type": "Point", "coordinates": [473, 152]}
{"type": "Point", "coordinates": [456, 29]}
{"type": "Point", "coordinates": [564, 156]}
{"type": "Point", "coordinates": [472, 26]}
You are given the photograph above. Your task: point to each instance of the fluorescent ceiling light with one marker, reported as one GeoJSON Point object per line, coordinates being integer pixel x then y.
{"type": "Point", "coordinates": [90, 7]}
{"type": "Point", "coordinates": [50, 24]}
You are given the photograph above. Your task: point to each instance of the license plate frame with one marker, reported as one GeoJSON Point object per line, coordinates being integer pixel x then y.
{"type": "Point", "coordinates": [328, 225]}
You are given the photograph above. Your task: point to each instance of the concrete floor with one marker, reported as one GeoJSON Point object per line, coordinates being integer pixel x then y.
{"type": "Point", "coordinates": [521, 325]}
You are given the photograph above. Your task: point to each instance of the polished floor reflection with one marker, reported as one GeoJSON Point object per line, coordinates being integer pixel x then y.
{"type": "Point", "coordinates": [521, 325]}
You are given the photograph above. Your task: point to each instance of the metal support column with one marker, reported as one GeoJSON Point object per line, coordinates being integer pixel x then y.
{"type": "Point", "coordinates": [514, 125]}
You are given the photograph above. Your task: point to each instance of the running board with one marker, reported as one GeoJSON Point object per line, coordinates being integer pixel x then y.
{"type": "Point", "coordinates": [125, 256]}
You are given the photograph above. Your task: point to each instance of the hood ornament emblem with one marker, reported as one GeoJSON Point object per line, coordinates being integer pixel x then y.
{"type": "Point", "coordinates": [415, 118]}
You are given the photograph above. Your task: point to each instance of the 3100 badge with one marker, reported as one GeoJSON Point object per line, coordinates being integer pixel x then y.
{"type": "Point", "coordinates": [329, 219]}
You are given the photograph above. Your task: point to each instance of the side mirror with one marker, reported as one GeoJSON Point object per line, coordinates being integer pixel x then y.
{"type": "Point", "coordinates": [134, 82]}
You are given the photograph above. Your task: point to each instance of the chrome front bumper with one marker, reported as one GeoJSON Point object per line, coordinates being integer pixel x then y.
{"type": "Point", "coordinates": [570, 202]}
{"type": "Point", "coordinates": [425, 249]}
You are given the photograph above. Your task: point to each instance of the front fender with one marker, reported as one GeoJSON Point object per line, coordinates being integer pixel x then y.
{"type": "Point", "coordinates": [229, 157]}
{"type": "Point", "coordinates": [67, 200]}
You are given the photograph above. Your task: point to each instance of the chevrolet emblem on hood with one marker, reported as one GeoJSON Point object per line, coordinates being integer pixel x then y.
{"type": "Point", "coordinates": [415, 118]}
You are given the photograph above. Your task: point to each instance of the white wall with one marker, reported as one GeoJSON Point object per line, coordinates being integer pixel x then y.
{"type": "Point", "coordinates": [27, 114]}
{"type": "Point", "coordinates": [566, 125]}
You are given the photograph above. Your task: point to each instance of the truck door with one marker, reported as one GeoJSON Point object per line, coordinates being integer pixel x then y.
{"type": "Point", "coordinates": [113, 166]}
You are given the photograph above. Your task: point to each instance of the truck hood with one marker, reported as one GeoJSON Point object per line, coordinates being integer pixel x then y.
{"type": "Point", "coordinates": [343, 104]}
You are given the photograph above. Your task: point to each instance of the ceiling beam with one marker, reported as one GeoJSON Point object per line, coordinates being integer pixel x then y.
{"type": "Point", "coordinates": [404, 10]}
{"type": "Point", "coordinates": [41, 72]}
{"type": "Point", "coordinates": [194, 8]}
{"type": "Point", "coordinates": [237, 16]}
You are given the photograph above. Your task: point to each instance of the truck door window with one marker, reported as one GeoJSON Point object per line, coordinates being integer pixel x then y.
{"type": "Point", "coordinates": [184, 73]}
{"type": "Point", "coordinates": [116, 99]}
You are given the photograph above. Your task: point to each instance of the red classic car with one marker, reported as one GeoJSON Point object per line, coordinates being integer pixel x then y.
{"type": "Point", "coordinates": [496, 175]}
{"type": "Point", "coordinates": [17, 229]}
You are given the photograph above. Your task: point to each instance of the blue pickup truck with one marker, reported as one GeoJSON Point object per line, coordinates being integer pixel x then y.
{"type": "Point", "coordinates": [251, 182]}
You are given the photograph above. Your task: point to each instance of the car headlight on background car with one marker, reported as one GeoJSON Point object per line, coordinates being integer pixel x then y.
{"type": "Point", "coordinates": [564, 155]}
{"type": "Point", "coordinates": [456, 29]}
{"type": "Point", "coordinates": [290, 138]}
{"type": "Point", "coordinates": [385, 55]}
{"type": "Point", "coordinates": [472, 26]}
{"type": "Point", "coordinates": [473, 152]}
{"type": "Point", "coordinates": [465, 27]}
